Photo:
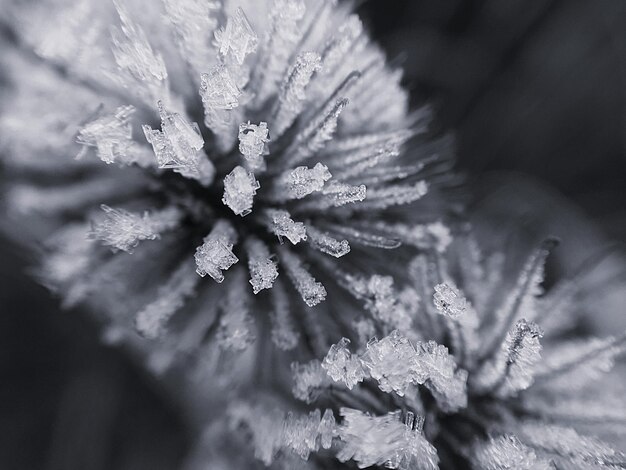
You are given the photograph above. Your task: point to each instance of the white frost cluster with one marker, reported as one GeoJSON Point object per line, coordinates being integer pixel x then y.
{"type": "Point", "coordinates": [240, 186]}
{"type": "Point", "coordinates": [216, 253]}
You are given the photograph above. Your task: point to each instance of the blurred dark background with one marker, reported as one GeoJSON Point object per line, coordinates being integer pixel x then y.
{"type": "Point", "coordinates": [536, 93]}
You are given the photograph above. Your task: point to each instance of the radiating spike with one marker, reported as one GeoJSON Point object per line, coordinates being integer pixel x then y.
{"type": "Point", "coordinates": [181, 285]}
{"type": "Point", "coordinates": [280, 223]}
{"type": "Point", "coordinates": [240, 186]}
{"type": "Point", "coordinates": [514, 366]}
{"type": "Point", "coordinates": [263, 270]}
{"type": "Point", "coordinates": [300, 182]}
{"type": "Point", "coordinates": [237, 37]}
{"type": "Point", "coordinates": [392, 195]}
{"type": "Point", "coordinates": [253, 145]}
{"type": "Point", "coordinates": [141, 69]}
{"type": "Point", "coordinates": [112, 137]}
{"type": "Point", "coordinates": [123, 230]}
{"type": "Point", "coordinates": [215, 254]}
{"type": "Point", "coordinates": [325, 243]}
{"type": "Point", "coordinates": [362, 237]}
{"type": "Point", "coordinates": [194, 22]}
{"type": "Point", "coordinates": [312, 292]}
{"type": "Point", "coordinates": [282, 36]}
{"type": "Point", "coordinates": [521, 301]}
{"type": "Point", "coordinates": [292, 94]}
{"type": "Point", "coordinates": [284, 333]}
{"type": "Point", "coordinates": [236, 327]}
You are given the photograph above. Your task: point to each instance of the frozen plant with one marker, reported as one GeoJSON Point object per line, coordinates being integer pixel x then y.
{"type": "Point", "coordinates": [231, 161]}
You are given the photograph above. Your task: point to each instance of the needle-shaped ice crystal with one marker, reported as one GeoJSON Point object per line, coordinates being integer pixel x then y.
{"type": "Point", "coordinates": [302, 181]}
{"type": "Point", "coordinates": [239, 189]}
{"type": "Point", "coordinates": [253, 141]}
{"type": "Point", "coordinates": [123, 230]}
{"type": "Point", "coordinates": [281, 224]}
{"type": "Point", "coordinates": [237, 37]}
{"type": "Point", "coordinates": [216, 253]}
{"type": "Point", "coordinates": [507, 452]}
{"type": "Point", "coordinates": [340, 194]}
{"type": "Point", "coordinates": [263, 269]}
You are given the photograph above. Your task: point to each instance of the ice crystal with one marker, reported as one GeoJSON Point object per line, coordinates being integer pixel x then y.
{"type": "Point", "coordinates": [240, 186]}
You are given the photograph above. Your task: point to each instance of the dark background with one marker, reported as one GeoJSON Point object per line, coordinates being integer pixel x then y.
{"type": "Point", "coordinates": [534, 87]}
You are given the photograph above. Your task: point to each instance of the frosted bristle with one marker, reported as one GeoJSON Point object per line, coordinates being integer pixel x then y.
{"type": "Point", "coordinates": [150, 321]}
{"type": "Point", "coordinates": [313, 138]}
{"type": "Point", "coordinates": [239, 189]}
{"type": "Point", "coordinates": [312, 292]}
{"type": "Point", "coordinates": [340, 44]}
{"type": "Point", "coordinates": [194, 22]}
{"type": "Point", "coordinates": [263, 270]}
{"type": "Point", "coordinates": [342, 366]}
{"type": "Point", "coordinates": [325, 243]}
{"type": "Point", "coordinates": [383, 441]}
{"type": "Point", "coordinates": [123, 230]}
{"type": "Point", "coordinates": [282, 36]}
{"type": "Point", "coordinates": [178, 146]}
{"type": "Point", "coordinates": [141, 69]}
{"type": "Point", "coordinates": [309, 380]}
{"type": "Point", "coordinates": [449, 301]}
{"type": "Point", "coordinates": [292, 95]}
{"type": "Point", "coordinates": [284, 333]}
{"type": "Point", "coordinates": [218, 90]}
{"type": "Point", "coordinates": [507, 452]}
{"type": "Point", "coordinates": [237, 38]}
{"type": "Point", "coordinates": [253, 144]}
{"type": "Point", "coordinates": [393, 195]}
{"type": "Point", "coordinates": [382, 300]}
{"type": "Point", "coordinates": [301, 181]}
{"type": "Point", "coordinates": [236, 326]}
{"type": "Point", "coordinates": [111, 135]}
{"type": "Point", "coordinates": [215, 254]}
{"type": "Point", "coordinates": [280, 223]}
{"type": "Point", "coordinates": [339, 194]}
